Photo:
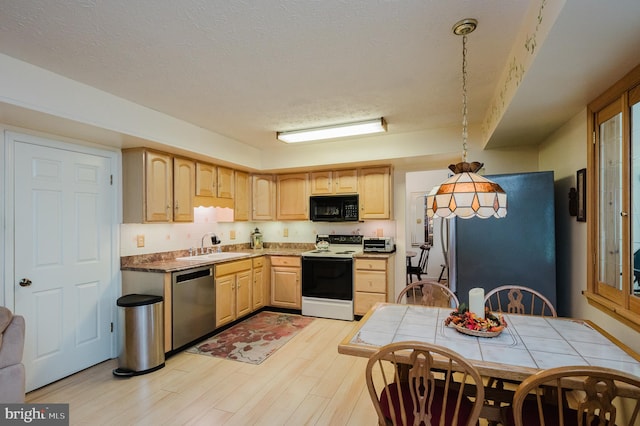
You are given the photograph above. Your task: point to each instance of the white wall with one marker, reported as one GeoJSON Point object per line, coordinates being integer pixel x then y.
{"type": "Point", "coordinates": [565, 152]}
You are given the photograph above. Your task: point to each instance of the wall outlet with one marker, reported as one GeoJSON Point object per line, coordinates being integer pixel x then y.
{"type": "Point", "coordinates": [232, 234]}
{"type": "Point", "coordinates": [140, 240]}
{"type": "Point", "coordinates": [379, 232]}
{"type": "Point", "coordinates": [285, 232]}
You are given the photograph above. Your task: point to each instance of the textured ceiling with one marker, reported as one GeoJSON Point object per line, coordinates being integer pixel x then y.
{"type": "Point", "coordinates": [246, 69]}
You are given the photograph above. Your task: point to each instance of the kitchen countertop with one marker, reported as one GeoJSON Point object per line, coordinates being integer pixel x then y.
{"type": "Point", "coordinates": [166, 262]}
{"type": "Point", "coordinates": [375, 255]}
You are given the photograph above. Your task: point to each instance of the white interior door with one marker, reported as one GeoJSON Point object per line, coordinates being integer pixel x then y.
{"type": "Point", "coordinates": [417, 217]}
{"type": "Point", "coordinates": [63, 245]}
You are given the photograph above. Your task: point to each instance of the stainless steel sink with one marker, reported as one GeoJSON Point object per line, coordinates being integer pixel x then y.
{"type": "Point", "coordinates": [225, 255]}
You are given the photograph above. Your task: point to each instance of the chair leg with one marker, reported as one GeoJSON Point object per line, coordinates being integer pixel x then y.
{"type": "Point", "coordinates": [441, 273]}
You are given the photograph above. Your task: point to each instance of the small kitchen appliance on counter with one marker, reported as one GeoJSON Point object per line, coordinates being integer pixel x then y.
{"type": "Point", "coordinates": [378, 245]}
{"type": "Point", "coordinates": [256, 240]}
{"type": "Point", "coordinates": [327, 277]}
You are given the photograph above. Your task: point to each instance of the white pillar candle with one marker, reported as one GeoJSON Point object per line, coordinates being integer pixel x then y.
{"type": "Point", "coordinates": [476, 301]}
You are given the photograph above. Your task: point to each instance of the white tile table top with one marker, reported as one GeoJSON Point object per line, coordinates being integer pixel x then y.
{"type": "Point", "coordinates": [527, 341]}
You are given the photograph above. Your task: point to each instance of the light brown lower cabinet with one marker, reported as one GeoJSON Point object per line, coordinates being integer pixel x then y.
{"type": "Point", "coordinates": [286, 272]}
{"type": "Point", "coordinates": [258, 292]}
{"type": "Point", "coordinates": [233, 291]}
{"type": "Point", "coordinates": [373, 282]}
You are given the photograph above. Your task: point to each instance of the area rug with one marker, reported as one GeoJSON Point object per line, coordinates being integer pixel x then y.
{"type": "Point", "coordinates": [254, 339]}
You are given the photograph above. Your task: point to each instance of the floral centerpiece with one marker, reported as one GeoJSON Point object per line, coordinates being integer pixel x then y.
{"type": "Point", "coordinates": [468, 322]}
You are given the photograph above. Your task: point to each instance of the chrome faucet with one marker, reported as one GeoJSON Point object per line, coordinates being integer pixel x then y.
{"type": "Point", "coordinates": [214, 240]}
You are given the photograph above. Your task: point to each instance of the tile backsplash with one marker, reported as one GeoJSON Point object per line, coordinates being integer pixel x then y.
{"type": "Point", "coordinates": [161, 237]}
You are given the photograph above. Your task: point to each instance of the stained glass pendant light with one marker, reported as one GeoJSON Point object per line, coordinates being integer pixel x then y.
{"type": "Point", "coordinates": [466, 194]}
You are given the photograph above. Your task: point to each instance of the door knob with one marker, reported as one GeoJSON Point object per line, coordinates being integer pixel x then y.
{"type": "Point", "coordinates": [26, 282]}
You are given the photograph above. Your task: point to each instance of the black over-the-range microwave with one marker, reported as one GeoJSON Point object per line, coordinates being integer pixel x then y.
{"type": "Point", "coordinates": [334, 208]}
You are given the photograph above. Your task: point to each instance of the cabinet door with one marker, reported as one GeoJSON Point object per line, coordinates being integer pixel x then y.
{"type": "Point", "coordinates": [243, 293]}
{"type": "Point", "coordinates": [321, 183]}
{"type": "Point", "coordinates": [184, 185]}
{"type": "Point", "coordinates": [225, 299]}
{"type": "Point", "coordinates": [363, 301]}
{"type": "Point", "coordinates": [264, 197]}
{"type": "Point", "coordinates": [285, 287]}
{"type": "Point", "coordinates": [293, 197]}
{"type": "Point", "coordinates": [226, 182]}
{"type": "Point", "coordinates": [258, 288]}
{"type": "Point", "coordinates": [375, 188]}
{"type": "Point", "coordinates": [345, 181]}
{"type": "Point", "coordinates": [158, 187]}
{"type": "Point", "coordinates": [241, 199]}
{"type": "Point", "coordinates": [206, 176]}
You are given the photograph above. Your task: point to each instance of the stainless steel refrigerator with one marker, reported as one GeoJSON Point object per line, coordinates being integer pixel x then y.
{"type": "Point", "coordinates": [518, 249]}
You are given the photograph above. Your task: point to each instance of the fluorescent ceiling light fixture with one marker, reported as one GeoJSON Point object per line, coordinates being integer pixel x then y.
{"type": "Point", "coordinates": [377, 125]}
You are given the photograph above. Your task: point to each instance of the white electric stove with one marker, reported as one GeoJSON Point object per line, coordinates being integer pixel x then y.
{"type": "Point", "coordinates": [327, 277]}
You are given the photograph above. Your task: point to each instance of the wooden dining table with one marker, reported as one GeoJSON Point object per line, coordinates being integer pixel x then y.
{"type": "Point", "coordinates": [527, 345]}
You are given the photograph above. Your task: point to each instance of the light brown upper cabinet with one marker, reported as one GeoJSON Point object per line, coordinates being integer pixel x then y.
{"type": "Point", "coordinates": [293, 196]}
{"type": "Point", "coordinates": [184, 186]}
{"type": "Point", "coordinates": [263, 193]}
{"type": "Point", "coordinates": [374, 185]}
{"type": "Point", "coordinates": [226, 182]}
{"type": "Point", "coordinates": [241, 210]}
{"type": "Point", "coordinates": [334, 182]}
{"type": "Point", "coordinates": [206, 180]}
{"type": "Point", "coordinates": [148, 179]}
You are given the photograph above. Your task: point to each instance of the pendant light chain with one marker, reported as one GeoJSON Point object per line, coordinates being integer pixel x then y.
{"type": "Point", "coordinates": [466, 194]}
{"type": "Point", "coordinates": [464, 98]}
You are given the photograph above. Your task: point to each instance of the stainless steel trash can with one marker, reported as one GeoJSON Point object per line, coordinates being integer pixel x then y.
{"type": "Point", "coordinates": [143, 335]}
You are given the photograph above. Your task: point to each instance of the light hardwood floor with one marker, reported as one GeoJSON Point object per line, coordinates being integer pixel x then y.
{"type": "Point", "coordinates": [306, 382]}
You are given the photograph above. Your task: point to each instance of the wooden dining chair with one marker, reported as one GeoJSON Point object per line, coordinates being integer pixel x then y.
{"type": "Point", "coordinates": [516, 299]}
{"type": "Point", "coordinates": [428, 293]}
{"type": "Point", "coordinates": [410, 383]}
{"type": "Point", "coordinates": [581, 395]}
{"type": "Point", "coordinates": [421, 268]}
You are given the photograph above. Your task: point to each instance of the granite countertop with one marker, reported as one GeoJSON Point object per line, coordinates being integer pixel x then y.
{"type": "Point", "coordinates": [166, 262]}
{"type": "Point", "coordinates": [375, 255]}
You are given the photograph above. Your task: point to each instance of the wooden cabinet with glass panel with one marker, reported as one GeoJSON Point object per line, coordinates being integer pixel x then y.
{"type": "Point", "coordinates": [613, 167]}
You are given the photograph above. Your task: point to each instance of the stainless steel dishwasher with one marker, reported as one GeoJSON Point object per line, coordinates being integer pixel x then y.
{"type": "Point", "coordinates": [193, 305]}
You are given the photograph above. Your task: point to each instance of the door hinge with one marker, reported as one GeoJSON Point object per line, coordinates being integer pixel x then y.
{"type": "Point", "coordinates": [112, 327]}
{"type": "Point", "coordinates": [111, 180]}
{"type": "Point", "coordinates": [593, 137]}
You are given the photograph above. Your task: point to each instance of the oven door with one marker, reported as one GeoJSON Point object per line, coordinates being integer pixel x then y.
{"type": "Point", "coordinates": [327, 277]}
